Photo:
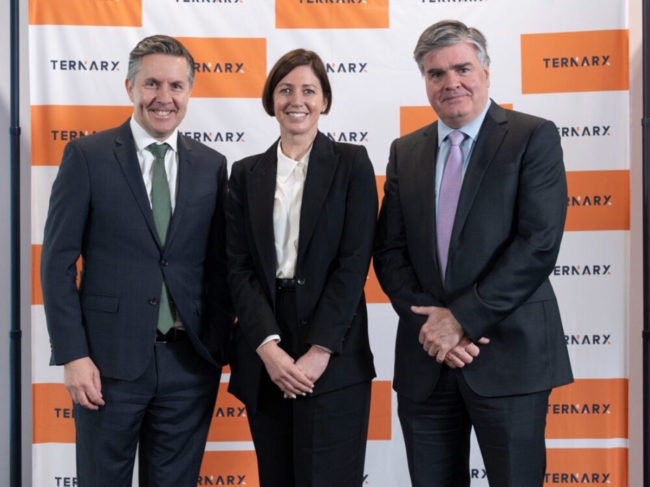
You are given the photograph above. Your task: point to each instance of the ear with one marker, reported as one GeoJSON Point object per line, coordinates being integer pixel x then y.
{"type": "Point", "coordinates": [129, 88]}
{"type": "Point", "coordinates": [486, 70]}
{"type": "Point", "coordinates": [324, 107]}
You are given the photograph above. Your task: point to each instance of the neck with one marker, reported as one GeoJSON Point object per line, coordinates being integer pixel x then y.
{"type": "Point", "coordinates": [296, 146]}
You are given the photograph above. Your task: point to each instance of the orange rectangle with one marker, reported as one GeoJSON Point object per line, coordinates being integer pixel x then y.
{"type": "Point", "coordinates": [412, 118]}
{"type": "Point", "coordinates": [379, 427]}
{"type": "Point", "coordinates": [592, 466]}
{"type": "Point", "coordinates": [598, 200]}
{"type": "Point", "coordinates": [37, 290]}
{"type": "Point", "coordinates": [372, 289]}
{"type": "Point", "coordinates": [229, 468]}
{"type": "Point", "coordinates": [328, 14]}
{"type": "Point", "coordinates": [53, 126]}
{"type": "Point", "coordinates": [589, 408]}
{"type": "Point", "coordinates": [52, 414]}
{"type": "Point", "coordinates": [227, 67]}
{"type": "Point", "coordinates": [121, 13]}
{"type": "Point", "coordinates": [575, 61]}
{"type": "Point", "coordinates": [229, 420]}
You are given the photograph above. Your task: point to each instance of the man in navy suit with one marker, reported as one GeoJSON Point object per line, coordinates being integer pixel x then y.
{"type": "Point", "coordinates": [468, 233]}
{"type": "Point", "coordinates": [143, 337]}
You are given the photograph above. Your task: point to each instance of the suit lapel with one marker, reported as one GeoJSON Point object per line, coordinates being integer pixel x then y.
{"type": "Point", "coordinates": [489, 140]}
{"type": "Point", "coordinates": [125, 153]}
{"type": "Point", "coordinates": [423, 176]}
{"type": "Point", "coordinates": [261, 194]}
{"type": "Point", "coordinates": [185, 181]}
{"type": "Point", "coordinates": [320, 173]}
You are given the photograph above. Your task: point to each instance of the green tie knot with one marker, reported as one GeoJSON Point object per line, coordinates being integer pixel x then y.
{"type": "Point", "coordinates": [158, 150]}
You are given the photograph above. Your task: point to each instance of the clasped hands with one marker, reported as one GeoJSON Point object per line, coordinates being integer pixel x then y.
{"type": "Point", "coordinates": [442, 337]}
{"type": "Point", "coordinates": [293, 377]}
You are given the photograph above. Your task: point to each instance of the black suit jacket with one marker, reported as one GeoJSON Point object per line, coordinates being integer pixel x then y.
{"type": "Point", "coordinates": [99, 209]}
{"type": "Point", "coordinates": [504, 244]}
{"type": "Point", "coordinates": [337, 223]}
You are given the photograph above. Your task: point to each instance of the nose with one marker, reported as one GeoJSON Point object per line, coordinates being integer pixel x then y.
{"type": "Point", "coordinates": [452, 80]}
{"type": "Point", "coordinates": [164, 94]}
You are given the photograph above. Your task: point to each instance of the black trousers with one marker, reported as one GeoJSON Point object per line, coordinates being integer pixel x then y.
{"type": "Point", "coordinates": [167, 411]}
{"type": "Point", "coordinates": [312, 441]}
{"type": "Point", "coordinates": [510, 433]}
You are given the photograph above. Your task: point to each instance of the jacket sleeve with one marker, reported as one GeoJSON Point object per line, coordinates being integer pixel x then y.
{"type": "Point", "coordinates": [344, 286]}
{"type": "Point", "coordinates": [62, 246]}
{"type": "Point", "coordinates": [391, 260]}
{"type": "Point", "coordinates": [528, 259]}
{"type": "Point", "coordinates": [219, 310]}
{"type": "Point", "coordinates": [255, 316]}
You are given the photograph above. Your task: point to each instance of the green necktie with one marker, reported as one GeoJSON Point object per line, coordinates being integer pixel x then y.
{"type": "Point", "coordinates": [162, 214]}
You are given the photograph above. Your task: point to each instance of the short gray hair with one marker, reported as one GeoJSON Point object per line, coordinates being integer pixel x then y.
{"type": "Point", "coordinates": [159, 44]}
{"type": "Point", "coordinates": [448, 33]}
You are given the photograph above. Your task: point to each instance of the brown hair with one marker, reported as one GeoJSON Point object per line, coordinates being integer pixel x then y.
{"type": "Point", "coordinates": [159, 44]}
{"type": "Point", "coordinates": [284, 65]}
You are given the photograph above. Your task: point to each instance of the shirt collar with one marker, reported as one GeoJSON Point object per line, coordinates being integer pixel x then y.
{"type": "Point", "coordinates": [471, 129]}
{"type": "Point", "coordinates": [286, 165]}
{"type": "Point", "coordinates": [143, 139]}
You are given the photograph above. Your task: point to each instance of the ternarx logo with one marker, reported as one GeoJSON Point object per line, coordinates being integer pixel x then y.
{"type": "Point", "coordinates": [70, 134]}
{"type": "Point", "coordinates": [219, 136]}
{"type": "Point", "coordinates": [217, 67]}
{"type": "Point", "coordinates": [84, 65]}
{"type": "Point", "coordinates": [591, 200]}
{"type": "Point", "coordinates": [551, 478]}
{"type": "Point", "coordinates": [221, 480]}
{"type": "Point", "coordinates": [575, 62]}
{"type": "Point", "coordinates": [348, 68]}
{"type": "Point", "coordinates": [230, 412]}
{"type": "Point", "coordinates": [589, 339]}
{"type": "Point", "coordinates": [349, 136]}
{"type": "Point", "coordinates": [583, 270]}
{"type": "Point", "coordinates": [65, 481]}
{"type": "Point", "coordinates": [585, 131]}
{"type": "Point", "coordinates": [592, 409]}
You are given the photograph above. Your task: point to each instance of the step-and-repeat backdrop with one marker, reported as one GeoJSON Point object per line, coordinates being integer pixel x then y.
{"type": "Point", "coordinates": [565, 61]}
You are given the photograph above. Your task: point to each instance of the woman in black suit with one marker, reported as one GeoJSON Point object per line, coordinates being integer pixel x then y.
{"type": "Point", "coordinates": [301, 220]}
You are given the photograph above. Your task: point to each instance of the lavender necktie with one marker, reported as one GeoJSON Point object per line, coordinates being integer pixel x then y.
{"type": "Point", "coordinates": [452, 180]}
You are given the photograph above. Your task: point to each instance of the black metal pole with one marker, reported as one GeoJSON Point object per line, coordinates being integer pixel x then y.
{"type": "Point", "coordinates": [646, 245]}
{"type": "Point", "coordinates": [15, 334]}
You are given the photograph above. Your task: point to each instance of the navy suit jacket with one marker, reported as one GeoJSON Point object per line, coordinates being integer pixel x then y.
{"type": "Point", "coordinates": [505, 241]}
{"type": "Point", "coordinates": [337, 223]}
{"type": "Point", "coordinates": [99, 209]}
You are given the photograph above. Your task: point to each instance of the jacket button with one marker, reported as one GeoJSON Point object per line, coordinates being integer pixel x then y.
{"type": "Point", "coordinates": [300, 282]}
{"type": "Point", "coordinates": [163, 262]}
{"type": "Point", "coordinates": [153, 301]}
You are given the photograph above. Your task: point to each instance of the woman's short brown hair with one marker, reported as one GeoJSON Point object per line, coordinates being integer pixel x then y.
{"type": "Point", "coordinates": [284, 65]}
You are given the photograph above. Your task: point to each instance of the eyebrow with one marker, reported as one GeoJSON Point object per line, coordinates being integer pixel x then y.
{"type": "Point", "coordinates": [455, 66]}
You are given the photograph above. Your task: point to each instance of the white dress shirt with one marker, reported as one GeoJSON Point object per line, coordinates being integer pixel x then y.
{"type": "Point", "coordinates": [146, 159]}
{"type": "Point", "coordinates": [289, 186]}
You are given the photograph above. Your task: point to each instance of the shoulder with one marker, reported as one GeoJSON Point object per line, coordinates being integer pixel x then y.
{"type": "Point", "coordinates": [519, 120]}
{"type": "Point", "coordinates": [420, 136]}
{"type": "Point", "coordinates": [200, 150]}
{"type": "Point", "coordinates": [104, 138]}
{"type": "Point", "coordinates": [354, 153]}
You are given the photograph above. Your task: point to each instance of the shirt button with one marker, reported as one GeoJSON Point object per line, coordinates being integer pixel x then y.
{"type": "Point", "coordinates": [300, 282]}
{"type": "Point", "coordinates": [164, 263]}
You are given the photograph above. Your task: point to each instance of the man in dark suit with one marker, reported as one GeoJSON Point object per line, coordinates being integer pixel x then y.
{"type": "Point", "coordinates": [143, 337]}
{"type": "Point", "coordinates": [469, 230]}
